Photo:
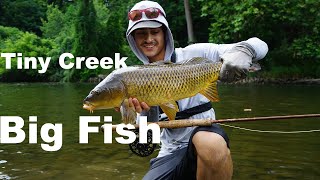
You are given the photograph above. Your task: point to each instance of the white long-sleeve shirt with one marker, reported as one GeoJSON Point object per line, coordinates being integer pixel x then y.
{"type": "Point", "coordinates": [174, 139]}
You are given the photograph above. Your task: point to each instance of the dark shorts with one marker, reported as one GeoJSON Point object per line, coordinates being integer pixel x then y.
{"type": "Point", "coordinates": [182, 164]}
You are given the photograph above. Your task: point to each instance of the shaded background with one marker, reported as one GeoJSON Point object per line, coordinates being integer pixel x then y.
{"type": "Point", "coordinates": [48, 28]}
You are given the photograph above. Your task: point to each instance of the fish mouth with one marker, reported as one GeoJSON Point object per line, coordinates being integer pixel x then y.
{"type": "Point", "coordinates": [88, 106]}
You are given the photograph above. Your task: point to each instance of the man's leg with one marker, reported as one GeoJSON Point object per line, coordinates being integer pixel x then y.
{"type": "Point", "coordinates": [213, 156]}
{"type": "Point", "coordinates": [167, 167]}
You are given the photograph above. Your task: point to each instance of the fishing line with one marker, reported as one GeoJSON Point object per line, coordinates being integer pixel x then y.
{"type": "Point", "coordinates": [275, 132]}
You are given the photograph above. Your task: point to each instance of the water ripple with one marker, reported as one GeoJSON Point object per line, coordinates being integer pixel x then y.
{"type": "Point", "coordinates": [4, 176]}
{"type": "Point", "coordinates": [3, 161]}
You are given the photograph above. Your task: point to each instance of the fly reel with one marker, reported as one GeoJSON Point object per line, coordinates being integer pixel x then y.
{"type": "Point", "coordinates": [142, 149]}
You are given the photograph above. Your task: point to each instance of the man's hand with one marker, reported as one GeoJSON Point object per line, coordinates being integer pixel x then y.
{"type": "Point", "coordinates": [139, 107]}
{"type": "Point", "coordinates": [236, 62]}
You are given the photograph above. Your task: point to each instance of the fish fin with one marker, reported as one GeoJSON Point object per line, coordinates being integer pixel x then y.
{"type": "Point", "coordinates": [128, 113]}
{"type": "Point", "coordinates": [170, 109]}
{"type": "Point", "coordinates": [211, 92]}
{"type": "Point", "coordinates": [196, 60]}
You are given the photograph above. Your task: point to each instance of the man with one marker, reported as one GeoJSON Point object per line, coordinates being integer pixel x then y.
{"type": "Point", "coordinates": [193, 152]}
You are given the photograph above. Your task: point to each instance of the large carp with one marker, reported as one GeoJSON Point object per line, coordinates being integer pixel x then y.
{"type": "Point", "coordinates": [155, 84]}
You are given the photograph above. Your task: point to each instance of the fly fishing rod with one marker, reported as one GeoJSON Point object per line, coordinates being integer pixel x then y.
{"type": "Point", "coordinates": [182, 123]}
{"type": "Point", "coordinates": [145, 149]}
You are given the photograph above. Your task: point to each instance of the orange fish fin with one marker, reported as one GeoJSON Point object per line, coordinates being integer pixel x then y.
{"type": "Point", "coordinates": [170, 109]}
{"type": "Point", "coordinates": [128, 113]}
{"type": "Point", "coordinates": [211, 92]}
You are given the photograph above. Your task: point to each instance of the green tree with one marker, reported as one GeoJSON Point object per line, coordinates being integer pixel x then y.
{"type": "Point", "coordinates": [291, 29]}
{"type": "Point", "coordinates": [23, 14]}
{"type": "Point", "coordinates": [29, 45]}
{"type": "Point", "coordinates": [73, 30]}
{"type": "Point", "coordinates": [191, 38]}
{"type": "Point", "coordinates": [85, 29]}
{"type": "Point", "coordinates": [116, 28]}
{"type": "Point", "coordinates": [176, 18]}
{"type": "Point", "coordinates": [60, 27]}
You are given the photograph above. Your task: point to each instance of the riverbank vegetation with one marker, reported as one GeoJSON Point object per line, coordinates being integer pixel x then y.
{"type": "Point", "coordinates": [48, 28]}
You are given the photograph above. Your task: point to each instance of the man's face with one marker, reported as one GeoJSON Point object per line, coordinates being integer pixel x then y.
{"type": "Point", "coordinates": [150, 41]}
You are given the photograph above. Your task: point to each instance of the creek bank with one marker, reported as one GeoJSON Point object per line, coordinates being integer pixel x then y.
{"type": "Point", "coordinates": [256, 80]}
{"type": "Point", "coordinates": [249, 80]}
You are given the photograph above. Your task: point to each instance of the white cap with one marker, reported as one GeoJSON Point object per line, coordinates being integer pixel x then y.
{"type": "Point", "coordinates": [145, 22]}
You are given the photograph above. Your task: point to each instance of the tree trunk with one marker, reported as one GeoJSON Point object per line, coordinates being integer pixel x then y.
{"type": "Point", "coordinates": [191, 38]}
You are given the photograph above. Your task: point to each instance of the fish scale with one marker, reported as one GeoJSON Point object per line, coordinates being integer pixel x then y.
{"type": "Point", "coordinates": [171, 79]}
{"type": "Point", "coordinates": [155, 84]}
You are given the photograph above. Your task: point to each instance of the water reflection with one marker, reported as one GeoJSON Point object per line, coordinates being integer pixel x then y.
{"type": "Point", "coordinates": [255, 155]}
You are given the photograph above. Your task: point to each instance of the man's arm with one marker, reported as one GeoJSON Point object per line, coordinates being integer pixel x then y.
{"type": "Point", "coordinates": [238, 60]}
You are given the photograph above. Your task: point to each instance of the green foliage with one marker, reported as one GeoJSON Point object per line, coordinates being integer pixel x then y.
{"type": "Point", "coordinates": [59, 27]}
{"type": "Point", "coordinates": [115, 30]}
{"type": "Point", "coordinates": [85, 37]}
{"type": "Point", "coordinates": [29, 45]}
{"type": "Point", "coordinates": [98, 27]}
{"type": "Point", "coordinates": [59, 3]}
{"type": "Point", "coordinates": [79, 34]}
{"type": "Point", "coordinates": [284, 72]}
{"type": "Point", "coordinates": [290, 28]}
{"type": "Point", "coordinates": [58, 23]}
{"type": "Point", "coordinates": [85, 30]}
{"type": "Point", "coordinates": [24, 14]}
{"type": "Point", "coordinates": [177, 21]}
{"type": "Point", "coordinates": [8, 33]}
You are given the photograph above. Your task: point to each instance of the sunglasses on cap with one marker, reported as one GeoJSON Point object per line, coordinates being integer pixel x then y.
{"type": "Point", "coordinates": [151, 13]}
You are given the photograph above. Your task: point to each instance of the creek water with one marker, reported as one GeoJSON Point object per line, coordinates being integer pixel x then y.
{"type": "Point", "coordinates": [256, 155]}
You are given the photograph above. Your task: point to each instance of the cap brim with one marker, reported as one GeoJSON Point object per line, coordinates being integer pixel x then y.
{"type": "Point", "coordinates": [145, 24]}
